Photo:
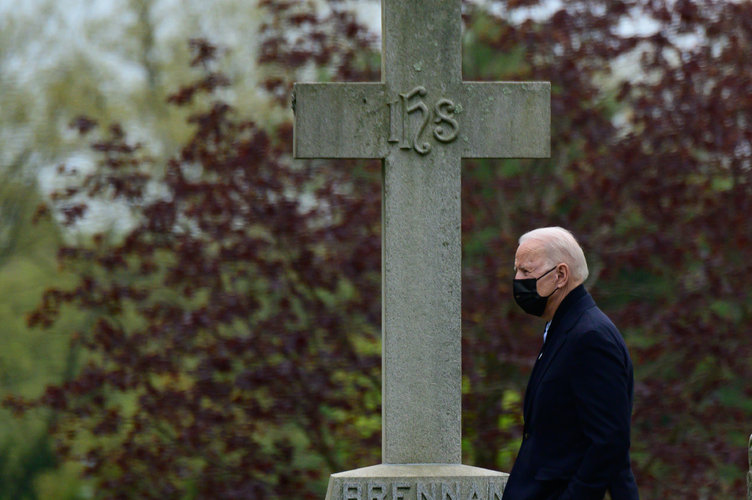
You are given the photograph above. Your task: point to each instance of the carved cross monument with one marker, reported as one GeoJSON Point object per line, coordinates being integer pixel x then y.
{"type": "Point", "coordinates": [422, 119]}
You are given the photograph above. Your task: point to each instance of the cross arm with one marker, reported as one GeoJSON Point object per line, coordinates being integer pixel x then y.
{"type": "Point", "coordinates": [506, 120]}
{"type": "Point", "coordinates": [340, 120]}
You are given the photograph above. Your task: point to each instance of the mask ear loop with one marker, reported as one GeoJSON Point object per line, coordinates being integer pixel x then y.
{"type": "Point", "coordinates": [547, 296]}
{"type": "Point", "coordinates": [542, 275]}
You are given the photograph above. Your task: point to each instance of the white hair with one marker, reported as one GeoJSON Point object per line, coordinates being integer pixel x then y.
{"type": "Point", "coordinates": [560, 245]}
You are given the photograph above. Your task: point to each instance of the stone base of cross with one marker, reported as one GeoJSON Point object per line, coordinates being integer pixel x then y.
{"type": "Point", "coordinates": [421, 120]}
{"type": "Point", "coordinates": [417, 481]}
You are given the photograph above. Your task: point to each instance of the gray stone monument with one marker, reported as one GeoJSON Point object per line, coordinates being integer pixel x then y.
{"type": "Point", "coordinates": [422, 119]}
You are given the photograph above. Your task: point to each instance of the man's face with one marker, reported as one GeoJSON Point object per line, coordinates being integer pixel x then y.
{"type": "Point", "coordinates": [530, 262]}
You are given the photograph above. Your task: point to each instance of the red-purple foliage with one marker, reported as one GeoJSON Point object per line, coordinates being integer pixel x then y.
{"type": "Point", "coordinates": [660, 201]}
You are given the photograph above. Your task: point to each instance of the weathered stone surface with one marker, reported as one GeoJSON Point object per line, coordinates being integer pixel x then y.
{"type": "Point", "coordinates": [422, 369]}
{"type": "Point", "coordinates": [340, 120]}
{"type": "Point", "coordinates": [506, 120]}
{"type": "Point", "coordinates": [417, 482]}
{"type": "Point", "coordinates": [494, 120]}
{"type": "Point", "coordinates": [421, 120]}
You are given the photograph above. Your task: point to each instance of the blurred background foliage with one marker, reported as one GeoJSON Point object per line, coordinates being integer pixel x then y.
{"type": "Point", "coordinates": [189, 313]}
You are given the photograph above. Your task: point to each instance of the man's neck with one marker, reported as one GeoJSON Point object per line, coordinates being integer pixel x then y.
{"type": "Point", "coordinates": [553, 305]}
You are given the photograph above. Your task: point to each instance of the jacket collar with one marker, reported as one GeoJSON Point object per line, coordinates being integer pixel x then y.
{"type": "Point", "coordinates": [569, 306]}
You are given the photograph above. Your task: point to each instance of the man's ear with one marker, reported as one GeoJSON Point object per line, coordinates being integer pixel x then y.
{"type": "Point", "coordinates": [562, 274]}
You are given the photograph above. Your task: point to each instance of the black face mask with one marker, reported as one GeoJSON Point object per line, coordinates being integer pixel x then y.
{"type": "Point", "coordinates": [526, 295]}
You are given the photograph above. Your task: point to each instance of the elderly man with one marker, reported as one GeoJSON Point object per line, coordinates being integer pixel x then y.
{"type": "Point", "coordinates": [578, 401]}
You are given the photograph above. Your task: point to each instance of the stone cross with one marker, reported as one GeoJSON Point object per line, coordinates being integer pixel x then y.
{"type": "Point", "coordinates": [421, 119]}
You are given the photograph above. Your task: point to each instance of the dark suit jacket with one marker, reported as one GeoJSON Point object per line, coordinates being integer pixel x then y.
{"type": "Point", "coordinates": [578, 407]}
